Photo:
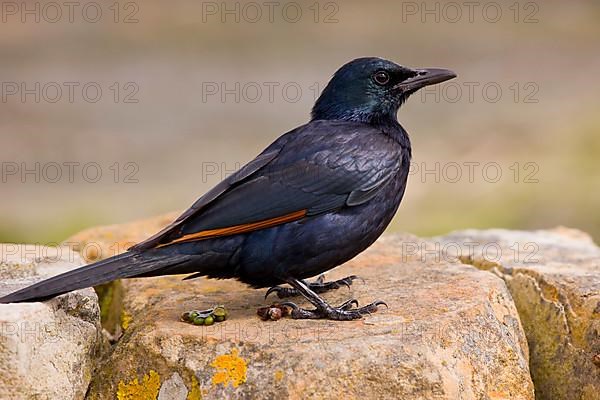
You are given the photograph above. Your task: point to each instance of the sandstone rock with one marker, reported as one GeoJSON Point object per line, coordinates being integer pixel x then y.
{"type": "Point", "coordinates": [554, 278]}
{"type": "Point", "coordinates": [47, 350]}
{"type": "Point", "coordinates": [451, 332]}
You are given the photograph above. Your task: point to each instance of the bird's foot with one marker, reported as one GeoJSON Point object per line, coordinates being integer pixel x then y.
{"type": "Point", "coordinates": [344, 312]}
{"type": "Point", "coordinates": [318, 286]}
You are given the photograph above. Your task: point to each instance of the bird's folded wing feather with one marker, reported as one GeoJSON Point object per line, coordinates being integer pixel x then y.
{"type": "Point", "coordinates": [317, 168]}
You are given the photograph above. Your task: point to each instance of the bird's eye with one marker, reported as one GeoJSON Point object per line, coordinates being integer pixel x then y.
{"type": "Point", "coordinates": [381, 77]}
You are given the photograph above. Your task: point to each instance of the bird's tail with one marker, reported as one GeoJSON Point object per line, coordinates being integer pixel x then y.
{"type": "Point", "coordinates": [126, 265]}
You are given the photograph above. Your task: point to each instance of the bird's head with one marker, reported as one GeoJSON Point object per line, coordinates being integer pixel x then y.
{"type": "Point", "coordinates": [372, 89]}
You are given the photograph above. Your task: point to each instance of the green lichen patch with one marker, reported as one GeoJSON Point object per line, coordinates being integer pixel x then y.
{"type": "Point", "coordinates": [110, 297]}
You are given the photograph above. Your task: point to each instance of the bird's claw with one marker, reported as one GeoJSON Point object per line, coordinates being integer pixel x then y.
{"type": "Point", "coordinates": [344, 312]}
{"type": "Point", "coordinates": [349, 310]}
{"type": "Point", "coordinates": [282, 292]}
{"type": "Point", "coordinates": [380, 303]}
{"type": "Point", "coordinates": [347, 305]}
{"type": "Point", "coordinates": [347, 281]}
{"type": "Point", "coordinates": [318, 286]}
{"type": "Point", "coordinates": [289, 304]}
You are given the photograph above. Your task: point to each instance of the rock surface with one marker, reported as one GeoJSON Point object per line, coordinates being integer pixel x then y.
{"type": "Point", "coordinates": [452, 331]}
{"type": "Point", "coordinates": [47, 350]}
{"type": "Point", "coordinates": [554, 278]}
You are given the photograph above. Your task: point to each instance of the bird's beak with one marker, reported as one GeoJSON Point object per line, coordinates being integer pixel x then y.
{"type": "Point", "coordinates": [425, 77]}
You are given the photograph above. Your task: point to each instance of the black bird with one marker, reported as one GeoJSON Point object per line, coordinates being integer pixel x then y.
{"type": "Point", "coordinates": [315, 198]}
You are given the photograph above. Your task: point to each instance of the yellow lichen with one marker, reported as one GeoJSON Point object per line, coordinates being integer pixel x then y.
{"type": "Point", "coordinates": [126, 319]}
{"type": "Point", "coordinates": [278, 375]}
{"type": "Point", "coordinates": [230, 367]}
{"type": "Point", "coordinates": [147, 389]}
{"type": "Point", "coordinates": [194, 393]}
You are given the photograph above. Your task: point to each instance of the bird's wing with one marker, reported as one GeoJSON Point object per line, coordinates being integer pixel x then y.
{"type": "Point", "coordinates": [260, 161]}
{"type": "Point", "coordinates": [320, 167]}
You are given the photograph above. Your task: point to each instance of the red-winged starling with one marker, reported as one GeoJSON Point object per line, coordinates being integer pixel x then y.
{"type": "Point", "coordinates": [315, 198]}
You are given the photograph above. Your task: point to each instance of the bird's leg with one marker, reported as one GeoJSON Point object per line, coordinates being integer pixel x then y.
{"type": "Point", "coordinates": [323, 310]}
{"type": "Point", "coordinates": [318, 286]}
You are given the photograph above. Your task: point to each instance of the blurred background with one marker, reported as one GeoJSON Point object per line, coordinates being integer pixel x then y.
{"type": "Point", "coordinates": [115, 111]}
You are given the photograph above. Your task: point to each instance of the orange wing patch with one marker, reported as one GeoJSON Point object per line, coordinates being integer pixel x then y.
{"type": "Point", "coordinates": [237, 229]}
